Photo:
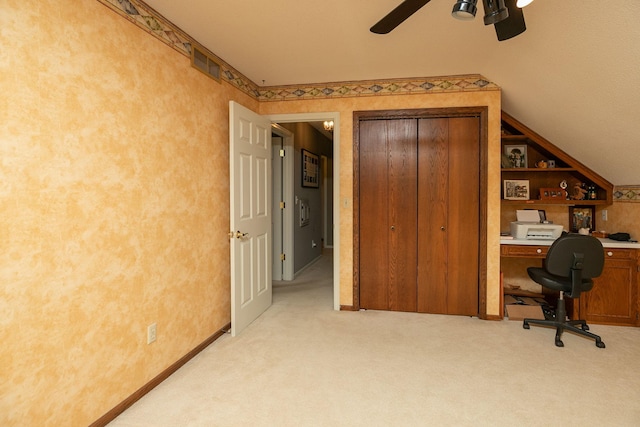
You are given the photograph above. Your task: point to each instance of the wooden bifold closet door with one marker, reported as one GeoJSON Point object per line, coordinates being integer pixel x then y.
{"type": "Point", "coordinates": [388, 214]}
{"type": "Point", "coordinates": [419, 183]}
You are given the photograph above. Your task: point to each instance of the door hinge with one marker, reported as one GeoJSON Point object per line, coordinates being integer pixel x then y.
{"type": "Point", "coordinates": [282, 257]}
{"type": "Point", "coordinates": [281, 152]}
{"type": "Point", "coordinates": [281, 205]}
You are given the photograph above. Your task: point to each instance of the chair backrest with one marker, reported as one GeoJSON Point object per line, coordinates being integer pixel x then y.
{"type": "Point", "coordinates": [573, 253]}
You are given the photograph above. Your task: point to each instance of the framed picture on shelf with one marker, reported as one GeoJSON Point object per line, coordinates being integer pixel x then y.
{"type": "Point", "coordinates": [553, 194]}
{"type": "Point", "coordinates": [582, 217]}
{"type": "Point", "coordinates": [516, 155]}
{"type": "Point", "coordinates": [516, 189]}
{"type": "Point", "coordinates": [310, 169]}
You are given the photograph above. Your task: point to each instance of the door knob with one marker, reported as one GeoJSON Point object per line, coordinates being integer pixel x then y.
{"type": "Point", "coordinates": [237, 234]}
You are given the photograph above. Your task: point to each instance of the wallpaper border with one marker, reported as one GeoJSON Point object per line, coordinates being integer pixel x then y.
{"type": "Point", "coordinates": [626, 193]}
{"type": "Point", "coordinates": [152, 22]}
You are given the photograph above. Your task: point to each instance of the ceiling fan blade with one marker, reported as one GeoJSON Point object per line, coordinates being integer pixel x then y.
{"type": "Point", "coordinates": [398, 15]}
{"type": "Point", "coordinates": [513, 25]}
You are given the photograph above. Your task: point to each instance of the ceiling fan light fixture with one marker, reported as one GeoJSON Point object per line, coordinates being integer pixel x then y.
{"type": "Point", "coordinates": [523, 3]}
{"type": "Point", "coordinates": [513, 25]}
{"type": "Point", "coordinates": [494, 11]}
{"type": "Point", "coordinates": [465, 10]}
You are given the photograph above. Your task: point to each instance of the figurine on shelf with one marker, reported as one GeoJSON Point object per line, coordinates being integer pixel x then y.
{"type": "Point", "coordinates": [579, 193]}
{"type": "Point", "coordinates": [563, 184]}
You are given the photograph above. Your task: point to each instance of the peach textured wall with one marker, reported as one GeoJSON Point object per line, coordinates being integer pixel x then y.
{"type": "Point", "coordinates": [346, 107]}
{"type": "Point", "coordinates": [113, 209]}
{"type": "Point", "coordinates": [114, 205]}
{"type": "Point", "coordinates": [621, 217]}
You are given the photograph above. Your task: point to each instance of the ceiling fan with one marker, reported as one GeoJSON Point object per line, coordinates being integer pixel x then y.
{"type": "Point", "coordinates": [505, 15]}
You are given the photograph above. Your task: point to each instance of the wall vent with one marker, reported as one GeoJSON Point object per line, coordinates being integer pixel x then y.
{"type": "Point", "coordinates": [205, 63]}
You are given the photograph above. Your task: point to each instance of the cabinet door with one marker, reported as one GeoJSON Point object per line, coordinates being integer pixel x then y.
{"type": "Point", "coordinates": [388, 205]}
{"type": "Point", "coordinates": [613, 299]}
{"type": "Point", "coordinates": [448, 215]}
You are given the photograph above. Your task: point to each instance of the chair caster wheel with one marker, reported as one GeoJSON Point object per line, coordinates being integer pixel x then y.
{"type": "Point", "coordinates": [526, 326]}
{"type": "Point", "coordinates": [559, 343]}
{"type": "Point", "coordinates": [600, 344]}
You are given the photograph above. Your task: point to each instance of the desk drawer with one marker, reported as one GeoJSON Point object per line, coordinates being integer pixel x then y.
{"type": "Point", "coordinates": [610, 253]}
{"type": "Point", "coordinates": [524, 251]}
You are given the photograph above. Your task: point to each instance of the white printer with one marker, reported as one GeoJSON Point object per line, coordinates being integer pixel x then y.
{"type": "Point", "coordinates": [528, 226]}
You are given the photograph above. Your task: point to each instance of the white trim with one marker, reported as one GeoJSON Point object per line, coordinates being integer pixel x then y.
{"type": "Point", "coordinates": [314, 117]}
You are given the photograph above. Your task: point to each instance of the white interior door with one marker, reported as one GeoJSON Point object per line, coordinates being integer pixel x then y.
{"type": "Point", "coordinates": [283, 192]}
{"type": "Point", "coordinates": [250, 194]}
{"type": "Point", "coordinates": [276, 210]}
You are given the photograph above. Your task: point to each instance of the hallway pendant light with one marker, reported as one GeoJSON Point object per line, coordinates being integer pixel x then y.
{"type": "Point", "coordinates": [494, 11]}
{"type": "Point", "coordinates": [328, 125]}
{"type": "Point", "coordinates": [464, 10]}
{"type": "Point", "coordinates": [523, 3]}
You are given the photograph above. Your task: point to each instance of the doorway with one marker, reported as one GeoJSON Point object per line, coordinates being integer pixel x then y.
{"type": "Point", "coordinates": [289, 193]}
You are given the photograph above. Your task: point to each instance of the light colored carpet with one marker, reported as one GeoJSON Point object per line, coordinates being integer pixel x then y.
{"type": "Point", "coordinates": [304, 364]}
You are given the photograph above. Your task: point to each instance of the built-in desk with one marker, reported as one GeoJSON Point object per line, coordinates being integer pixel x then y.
{"type": "Point", "coordinates": [614, 298]}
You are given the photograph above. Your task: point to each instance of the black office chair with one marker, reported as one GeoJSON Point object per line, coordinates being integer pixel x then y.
{"type": "Point", "coordinates": [572, 262]}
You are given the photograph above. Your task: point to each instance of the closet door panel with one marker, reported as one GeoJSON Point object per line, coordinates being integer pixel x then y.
{"type": "Point", "coordinates": [402, 204]}
{"type": "Point", "coordinates": [464, 216]}
{"type": "Point", "coordinates": [433, 226]}
{"type": "Point", "coordinates": [374, 245]}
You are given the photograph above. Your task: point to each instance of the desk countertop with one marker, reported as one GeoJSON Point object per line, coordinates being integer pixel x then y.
{"type": "Point", "coordinates": [607, 243]}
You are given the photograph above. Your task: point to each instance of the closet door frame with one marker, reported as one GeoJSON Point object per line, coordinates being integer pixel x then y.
{"type": "Point", "coordinates": [482, 113]}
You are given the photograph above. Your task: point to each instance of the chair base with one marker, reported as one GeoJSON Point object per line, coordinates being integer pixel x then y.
{"type": "Point", "coordinates": [561, 324]}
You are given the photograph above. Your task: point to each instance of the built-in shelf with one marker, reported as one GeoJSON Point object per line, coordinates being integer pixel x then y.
{"type": "Point", "coordinates": [538, 170]}
{"type": "Point", "coordinates": [566, 169]}
{"type": "Point", "coordinates": [556, 202]}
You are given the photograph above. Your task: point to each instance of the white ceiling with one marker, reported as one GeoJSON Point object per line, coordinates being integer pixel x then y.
{"type": "Point", "coordinates": [573, 76]}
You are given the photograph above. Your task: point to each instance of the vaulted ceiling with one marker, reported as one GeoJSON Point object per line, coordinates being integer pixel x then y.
{"type": "Point", "coordinates": [573, 76]}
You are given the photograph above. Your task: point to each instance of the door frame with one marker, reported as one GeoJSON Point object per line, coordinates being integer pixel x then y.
{"type": "Point", "coordinates": [315, 117]}
{"type": "Point", "coordinates": [483, 113]}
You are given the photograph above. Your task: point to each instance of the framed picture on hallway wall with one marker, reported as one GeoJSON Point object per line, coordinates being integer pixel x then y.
{"type": "Point", "coordinates": [310, 169]}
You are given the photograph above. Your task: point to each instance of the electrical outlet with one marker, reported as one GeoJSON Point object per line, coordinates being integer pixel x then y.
{"type": "Point", "coordinates": [152, 330]}
{"type": "Point", "coordinates": [604, 215]}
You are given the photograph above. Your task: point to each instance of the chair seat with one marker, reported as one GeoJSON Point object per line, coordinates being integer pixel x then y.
{"type": "Point", "coordinates": [557, 283]}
